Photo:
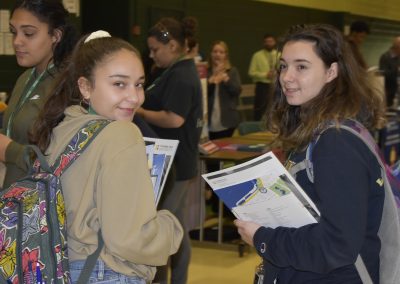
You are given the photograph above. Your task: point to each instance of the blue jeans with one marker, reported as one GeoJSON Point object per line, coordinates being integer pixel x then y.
{"type": "Point", "coordinates": [102, 274]}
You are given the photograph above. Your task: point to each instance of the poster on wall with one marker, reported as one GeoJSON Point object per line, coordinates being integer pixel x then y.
{"type": "Point", "coordinates": [72, 6]}
{"type": "Point", "coordinates": [8, 46]}
{"type": "Point", "coordinates": [4, 20]}
{"type": "Point", "coordinates": [2, 43]}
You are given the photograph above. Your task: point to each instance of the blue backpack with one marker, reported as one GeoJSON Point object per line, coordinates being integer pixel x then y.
{"type": "Point", "coordinates": [389, 231]}
{"type": "Point", "coordinates": [33, 236]}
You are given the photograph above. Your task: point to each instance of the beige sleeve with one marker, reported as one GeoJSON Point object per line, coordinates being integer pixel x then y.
{"type": "Point", "coordinates": [131, 227]}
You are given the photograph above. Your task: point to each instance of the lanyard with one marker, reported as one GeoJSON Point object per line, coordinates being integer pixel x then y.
{"type": "Point", "coordinates": [163, 73]}
{"type": "Point", "coordinates": [25, 96]}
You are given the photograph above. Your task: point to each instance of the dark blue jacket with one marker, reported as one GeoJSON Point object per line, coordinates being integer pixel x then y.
{"type": "Point", "coordinates": [350, 201]}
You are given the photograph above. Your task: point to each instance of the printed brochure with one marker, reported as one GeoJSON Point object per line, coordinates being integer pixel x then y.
{"type": "Point", "coordinates": [262, 190]}
{"type": "Point", "coordinates": [160, 154]}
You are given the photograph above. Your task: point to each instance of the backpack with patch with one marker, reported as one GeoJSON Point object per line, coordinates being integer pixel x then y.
{"type": "Point", "coordinates": [33, 236]}
{"type": "Point", "coordinates": [389, 231]}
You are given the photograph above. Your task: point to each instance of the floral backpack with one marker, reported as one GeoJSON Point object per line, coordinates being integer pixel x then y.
{"type": "Point", "coordinates": [33, 236]}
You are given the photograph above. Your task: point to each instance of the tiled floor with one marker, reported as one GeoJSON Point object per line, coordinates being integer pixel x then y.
{"type": "Point", "coordinates": [216, 265]}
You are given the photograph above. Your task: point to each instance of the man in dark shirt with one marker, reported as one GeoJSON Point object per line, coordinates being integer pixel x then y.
{"type": "Point", "coordinates": [358, 32]}
{"type": "Point", "coordinates": [389, 64]}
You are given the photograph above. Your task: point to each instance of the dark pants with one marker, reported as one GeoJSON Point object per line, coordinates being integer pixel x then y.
{"type": "Point", "coordinates": [174, 200]}
{"type": "Point", "coordinates": [261, 99]}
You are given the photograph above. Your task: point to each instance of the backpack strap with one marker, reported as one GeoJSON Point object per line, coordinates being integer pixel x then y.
{"type": "Point", "coordinates": [91, 261]}
{"type": "Point", "coordinates": [78, 144]}
{"type": "Point", "coordinates": [306, 164]}
{"type": "Point", "coordinates": [72, 151]}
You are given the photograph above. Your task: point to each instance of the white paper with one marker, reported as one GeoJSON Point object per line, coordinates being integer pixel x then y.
{"type": "Point", "coordinates": [4, 20]}
{"type": "Point", "coordinates": [262, 190]}
{"type": "Point", "coordinates": [8, 46]}
{"type": "Point", "coordinates": [160, 154]}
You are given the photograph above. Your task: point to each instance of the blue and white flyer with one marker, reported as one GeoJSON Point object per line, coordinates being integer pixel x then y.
{"type": "Point", "coordinates": [160, 154]}
{"type": "Point", "coordinates": [262, 190]}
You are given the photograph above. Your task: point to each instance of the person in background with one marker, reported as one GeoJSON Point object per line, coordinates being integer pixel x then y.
{"type": "Point", "coordinates": [358, 33]}
{"type": "Point", "coordinates": [389, 65]}
{"type": "Point", "coordinates": [224, 87]}
{"type": "Point", "coordinates": [109, 187]}
{"type": "Point", "coordinates": [42, 40]}
{"type": "Point", "coordinates": [320, 82]}
{"type": "Point", "coordinates": [262, 71]}
{"type": "Point", "coordinates": [173, 108]}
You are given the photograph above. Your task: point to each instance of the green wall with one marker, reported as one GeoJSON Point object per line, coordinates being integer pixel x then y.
{"type": "Point", "coordinates": [241, 23]}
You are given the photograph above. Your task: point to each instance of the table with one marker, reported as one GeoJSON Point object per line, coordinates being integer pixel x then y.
{"type": "Point", "coordinates": [226, 153]}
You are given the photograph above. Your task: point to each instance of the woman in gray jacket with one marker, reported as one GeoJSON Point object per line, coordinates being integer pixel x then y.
{"type": "Point", "coordinates": [224, 88]}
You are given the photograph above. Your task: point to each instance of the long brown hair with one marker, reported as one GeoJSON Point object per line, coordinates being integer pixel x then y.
{"type": "Point", "coordinates": [83, 62]}
{"type": "Point", "coordinates": [349, 96]}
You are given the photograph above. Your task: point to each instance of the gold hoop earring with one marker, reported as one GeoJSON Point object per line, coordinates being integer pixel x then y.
{"type": "Point", "coordinates": [84, 103]}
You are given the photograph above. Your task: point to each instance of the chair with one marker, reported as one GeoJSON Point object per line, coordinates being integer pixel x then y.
{"type": "Point", "coordinates": [247, 127]}
{"type": "Point", "coordinates": [246, 100]}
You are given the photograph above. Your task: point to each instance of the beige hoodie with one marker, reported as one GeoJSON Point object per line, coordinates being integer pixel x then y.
{"type": "Point", "coordinates": [109, 188]}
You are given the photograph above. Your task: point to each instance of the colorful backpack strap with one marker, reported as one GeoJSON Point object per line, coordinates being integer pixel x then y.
{"type": "Point", "coordinates": [72, 151]}
{"type": "Point", "coordinates": [78, 144]}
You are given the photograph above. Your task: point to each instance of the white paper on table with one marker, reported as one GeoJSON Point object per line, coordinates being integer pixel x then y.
{"type": "Point", "coordinates": [262, 190]}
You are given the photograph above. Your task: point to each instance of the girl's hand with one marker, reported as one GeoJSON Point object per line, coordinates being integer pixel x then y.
{"type": "Point", "coordinates": [247, 230]}
{"type": "Point", "coordinates": [224, 77]}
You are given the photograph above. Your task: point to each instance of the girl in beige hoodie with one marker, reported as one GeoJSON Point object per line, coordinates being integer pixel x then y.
{"type": "Point", "coordinates": [108, 188]}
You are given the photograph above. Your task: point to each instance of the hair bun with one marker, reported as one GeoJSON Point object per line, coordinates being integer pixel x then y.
{"type": "Point", "coordinates": [190, 25]}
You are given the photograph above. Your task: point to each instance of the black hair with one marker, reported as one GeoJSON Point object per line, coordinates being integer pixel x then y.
{"type": "Point", "coordinates": [54, 14]}
{"type": "Point", "coordinates": [192, 24]}
{"type": "Point", "coordinates": [169, 28]}
{"type": "Point", "coordinates": [268, 35]}
{"type": "Point", "coordinates": [359, 27]}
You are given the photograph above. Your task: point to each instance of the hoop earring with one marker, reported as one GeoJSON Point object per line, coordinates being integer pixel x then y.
{"type": "Point", "coordinates": [84, 103]}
